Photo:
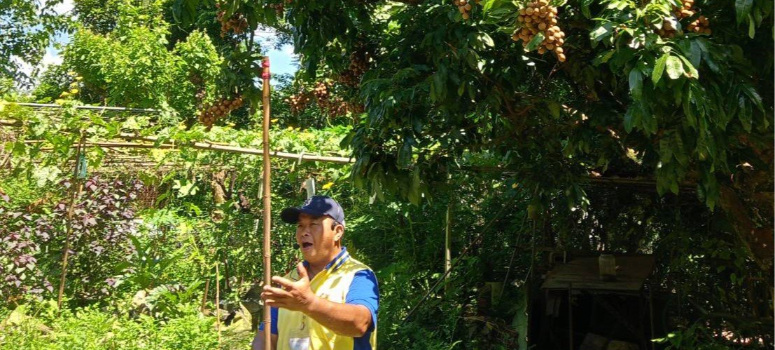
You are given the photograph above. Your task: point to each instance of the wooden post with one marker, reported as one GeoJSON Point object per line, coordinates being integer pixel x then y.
{"type": "Point", "coordinates": [447, 249]}
{"type": "Point", "coordinates": [218, 302]}
{"type": "Point", "coordinates": [68, 223]}
{"type": "Point", "coordinates": [309, 185]}
{"type": "Point", "coordinates": [267, 205]}
{"type": "Point", "coordinates": [204, 297]}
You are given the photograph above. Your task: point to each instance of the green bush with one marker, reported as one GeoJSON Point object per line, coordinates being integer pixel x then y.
{"type": "Point", "coordinates": [41, 326]}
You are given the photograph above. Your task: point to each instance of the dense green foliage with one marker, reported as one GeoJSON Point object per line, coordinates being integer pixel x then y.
{"type": "Point", "coordinates": [637, 144]}
{"type": "Point", "coordinates": [26, 28]}
{"type": "Point", "coordinates": [43, 327]}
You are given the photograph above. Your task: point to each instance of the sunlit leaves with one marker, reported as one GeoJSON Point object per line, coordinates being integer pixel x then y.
{"type": "Point", "coordinates": [659, 68]}
{"type": "Point", "coordinates": [674, 67]}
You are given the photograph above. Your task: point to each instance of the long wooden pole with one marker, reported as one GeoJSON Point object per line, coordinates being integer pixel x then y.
{"type": "Point", "coordinates": [207, 146]}
{"type": "Point", "coordinates": [218, 302]}
{"type": "Point", "coordinates": [267, 206]}
{"type": "Point", "coordinates": [77, 188]}
{"type": "Point", "coordinates": [447, 248]}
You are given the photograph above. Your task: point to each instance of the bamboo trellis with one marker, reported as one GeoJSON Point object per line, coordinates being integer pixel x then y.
{"type": "Point", "coordinates": [150, 142]}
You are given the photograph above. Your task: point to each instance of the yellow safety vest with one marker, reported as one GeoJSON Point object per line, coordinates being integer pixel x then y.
{"type": "Point", "coordinates": [297, 331]}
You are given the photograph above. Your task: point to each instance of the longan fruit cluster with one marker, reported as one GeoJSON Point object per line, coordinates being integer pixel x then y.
{"type": "Point", "coordinates": [218, 109]}
{"type": "Point", "coordinates": [359, 64]}
{"type": "Point", "coordinates": [540, 17]}
{"type": "Point", "coordinates": [298, 102]}
{"type": "Point", "coordinates": [236, 23]}
{"type": "Point", "coordinates": [331, 105]}
{"type": "Point", "coordinates": [464, 6]}
{"type": "Point", "coordinates": [700, 25]}
{"type": "Point", "coordinates": [321, 93]}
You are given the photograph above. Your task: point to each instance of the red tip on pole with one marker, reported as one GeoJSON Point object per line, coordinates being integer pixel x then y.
{"type": "Point", "coordinates": [265, 64]}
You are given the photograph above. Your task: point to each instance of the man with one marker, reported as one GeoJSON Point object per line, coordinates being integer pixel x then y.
{"type": "Point", "coordinates": [331, 300]}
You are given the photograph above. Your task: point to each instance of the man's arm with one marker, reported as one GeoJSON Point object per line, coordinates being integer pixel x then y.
{"type": "Point", "coordinates": [344, 319]}
{"type": "Point", "coordinates": [258, 341]}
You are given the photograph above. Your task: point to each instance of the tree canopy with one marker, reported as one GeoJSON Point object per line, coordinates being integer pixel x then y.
{"type": "Point", "coordinates": [677, 92]}
{"type": "Point", "coordinates": [520, 127]}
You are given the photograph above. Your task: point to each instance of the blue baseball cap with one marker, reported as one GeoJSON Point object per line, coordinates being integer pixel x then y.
{"type": "Point", "coordinates": [315, 206]}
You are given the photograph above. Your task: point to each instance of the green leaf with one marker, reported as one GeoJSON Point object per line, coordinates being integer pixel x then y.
{"type": "Point", "coordinates": [692, 73]}
{"type": "Point", "coordinates": [674, 67]}
{"type": "Point", "coordinates": [486, 39]}
{"type": "Point", "coordinates": [554, 109]}
{"type": "Point", "coordinates": [751, 27]}
{"type": "Point", "coordinates": [754, 96]}
{"type": "Point", "coordinates": [601, 32]}
{"type": "Point", "coordinates": [679, 150]}
{"type": "Point", "coordinates": [659, 68]}
{"type": "Point", "coordinates": [649, 123]}
{"type": "Point", "coordinates": [533, 44]}
{"type": "Point", "coordinates": [665, 151]}
{"type": "Point", "coordinates": [636, 83]}
{"type": "Point", "coordinates": [744, 114]}
{"type": "Point", "coordinates": [695, 53]}
{"type": "Point", "coordinates": [743, 9]}
{"type": "Point", "coordinates": [674, 186]}
{"type": "Point", "coordinates": [633, 117]}
{"type": "Point", "coordinates": [603, 57]}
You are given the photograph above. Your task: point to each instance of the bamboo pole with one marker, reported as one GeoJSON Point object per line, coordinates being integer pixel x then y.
{"type": "Point", "coordinates": [68, 223]}
{"type": "Point", "coordinates": [218, 302]}
{"type": "Point", "coordinates": [204, 297]}
{"type": "Point", "coordinates": [87, 107]}
{"type": "Point", "coordinates": [267, 205]}
{"type": "Point", "coordinates": [447, 249]}
{"type": "Point", "coordinates": [208, 147]}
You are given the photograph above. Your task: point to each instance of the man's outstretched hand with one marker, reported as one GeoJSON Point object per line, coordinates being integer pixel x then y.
{"type": "Point", "coordinates": [344, 319]}
{"type": "Point", "coordinates": [296, 296]}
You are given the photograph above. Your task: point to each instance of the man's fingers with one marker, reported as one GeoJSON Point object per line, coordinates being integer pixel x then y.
{"type": "Point", "coordinates": [302, 271]}
{"type": "Point", "coordinates": [276, 292]}
{"type": "Point", "coordinates": [286, 283]}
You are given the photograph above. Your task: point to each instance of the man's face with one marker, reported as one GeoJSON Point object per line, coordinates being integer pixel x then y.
{"type": "Point", "coordinates": [317, 239]}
